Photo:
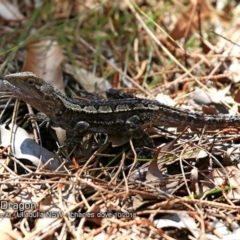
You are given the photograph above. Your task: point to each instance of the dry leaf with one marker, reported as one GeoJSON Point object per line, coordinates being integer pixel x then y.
{"type": "Point", "coordinates": [178, 220]}
{"type": "Point", "coordinates": [211, 110]}
{"type": "Point", "coordinates": [212, 96]}
{"type": "Point", "coordinates": [118, 140]}
{"type": "Point", "coordinates": [44, 58]}
{"type": "Point", "coordinates": [25, 148]}
{"type": "Point", "coordinates": [61, 134]}
{"type": "Point", "coordinates": [218, 176]}
{"type": "Point", "coordinates": [87, 80]}
{"type": "Point", "coordinates": [213, 99]}
{"type": "Point", "coordinates": [165, 99]}
{"type": "Point", "coordinates": [188, 23]}
{"type": "Point", "coordinates": [5, 223]}
{"type": "Point", "coordinates": [153, 172]}
{"type": "Point", "coordinates": [6, 231]}
{"type": "Point", "coordinates": [9, 11]}
{"type": "Point", "coordinates": [237, 96]}
{"type": "Point", "coordinates": [194, 180]}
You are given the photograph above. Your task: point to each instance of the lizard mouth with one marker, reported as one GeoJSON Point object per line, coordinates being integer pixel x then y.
{"type": "Point", "coordinates": [33, 96]}
{"type": "Point", "coordinates": [15, 90]}
{"type": "Point", "coordinates": [21, 91]}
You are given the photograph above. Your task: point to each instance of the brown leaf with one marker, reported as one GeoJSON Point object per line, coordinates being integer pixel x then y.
{"type": "Point", "coordinates": [153, 171]}
{"type": "Point", "coordinates": [89, 81]}
{"type": "Point", "coordinates": [217, 177]}
{"type": "Point", "coordinates": [211, 110]}
{"type": "Point", "coordinates": [194, 180]}
{"type": "Point", "coordinates": [188, 23]}
{"type": "Point", "coordinates": [44, 58]}
{"type": "Point", "coordinates": [237, 96]}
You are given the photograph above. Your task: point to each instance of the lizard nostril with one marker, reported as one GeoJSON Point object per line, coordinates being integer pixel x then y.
{"type": "Point", "coordinates": [46, 98]}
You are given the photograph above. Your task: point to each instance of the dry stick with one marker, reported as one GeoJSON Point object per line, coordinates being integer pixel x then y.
{"type": "Point", "coordinates": [170, 202]}
{"type": "Point", "coordinates": [54, 225]}
{"type": "Point", "coordinates": [229, 40]}
{"type": "Point", "coordinates": [23, 229]}
{"type": "Point", "coordinates": [34, 125]}
{"type": "Point", "coordinates": [84, 167]}
{"type": "Point", "coordinates": [135, 159]}
{"type": "Point", "coordinates": [215, 77]}
{"type": "Point", "coordinates": [114, 179]}
{"type": "Point", "coordinates": [182, 170]}
{"type": "Point", "coordinates": [13, 129]}
{"type": "Point", "coordinates": [6, 105]}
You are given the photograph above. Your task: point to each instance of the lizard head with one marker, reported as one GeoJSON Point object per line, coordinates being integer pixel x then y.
{"type": "Point", "coordinates": [29, 87]}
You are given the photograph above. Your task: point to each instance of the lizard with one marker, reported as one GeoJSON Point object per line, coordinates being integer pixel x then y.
{"type": "Point", "coordinates": [120, 114]}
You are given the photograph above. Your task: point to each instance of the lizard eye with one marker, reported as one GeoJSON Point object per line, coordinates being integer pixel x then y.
{"type": "Point", "coordinates": [30, 81]}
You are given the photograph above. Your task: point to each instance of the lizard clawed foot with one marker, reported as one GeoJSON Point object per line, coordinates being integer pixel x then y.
{"type": "Point", "coordinates": [40, 117]}
{"type": "Point", "coordinates": [143, 153]}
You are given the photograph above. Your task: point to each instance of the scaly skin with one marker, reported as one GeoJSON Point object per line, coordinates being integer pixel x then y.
{"type": "Point", "coordinates": [116, 116]}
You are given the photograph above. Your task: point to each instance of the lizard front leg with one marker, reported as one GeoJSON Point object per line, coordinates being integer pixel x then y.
{"type": "Point", "coordinates": [76, 134]}
{"type": "Point", "coordinates": [80, 127]}
{"type": "Point", "coordinates": [136, 132]}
